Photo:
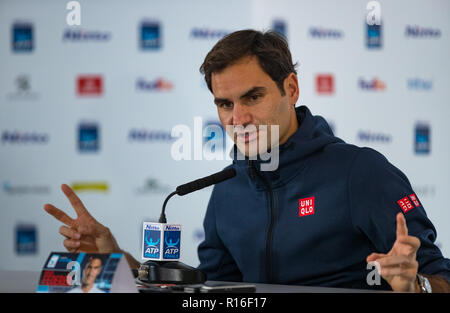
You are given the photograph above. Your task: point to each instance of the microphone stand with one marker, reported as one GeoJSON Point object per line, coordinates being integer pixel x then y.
{"type": "Point", "coordinates": [169, 272]}
{"type": "Point", "coordinates": [175, 272]}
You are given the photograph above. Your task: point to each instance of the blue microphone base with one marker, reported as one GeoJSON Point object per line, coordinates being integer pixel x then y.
{"type": "Point", "coordinates": [170, 272]}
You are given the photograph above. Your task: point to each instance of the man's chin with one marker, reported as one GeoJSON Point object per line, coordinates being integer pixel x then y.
{"type": "Point", "coordinates": [250, 149]}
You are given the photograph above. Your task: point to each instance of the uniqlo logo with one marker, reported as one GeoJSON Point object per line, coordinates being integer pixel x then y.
{"type": "Point", "coordinates": [325, 84]}
{"type": "Point", "coordinates": [414, 200]}
{"type": "Point", "coordinates": [405, 204]}
{"type": "Point", "coordinates": [306, 206]}
{"type": "Point", "coordinates": [90, 85]}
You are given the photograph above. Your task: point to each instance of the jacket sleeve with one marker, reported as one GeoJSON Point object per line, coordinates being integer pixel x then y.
{"type": "Point", "coordinates": [215, 260]}
{"type": "Point", "coordinates": [378, 191]}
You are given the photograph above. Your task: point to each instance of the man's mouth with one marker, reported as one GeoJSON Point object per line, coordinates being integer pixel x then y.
{"type": "Point", "coordinates": [247, 137]}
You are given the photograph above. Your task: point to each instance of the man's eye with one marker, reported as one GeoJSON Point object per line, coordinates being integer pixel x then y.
{"type": "Point", "coordinates": [255, 97]}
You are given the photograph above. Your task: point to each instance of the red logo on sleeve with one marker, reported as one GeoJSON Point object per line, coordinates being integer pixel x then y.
{"type": "Point", "coordinates": [405, 204]}
{"type": "Point", "coordinates": [414, 199]}
{"type": "Point", "coordinates": [306, 206]}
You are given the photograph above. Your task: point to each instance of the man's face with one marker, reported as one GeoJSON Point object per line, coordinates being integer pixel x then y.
{"type": "Point", "coordinates": [91, 270]}
{"type": "Point", "coordinates": [245, 95]}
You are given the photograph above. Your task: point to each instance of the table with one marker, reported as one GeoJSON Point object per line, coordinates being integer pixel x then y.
{"type": "Point", "coordinates": [26, 282]}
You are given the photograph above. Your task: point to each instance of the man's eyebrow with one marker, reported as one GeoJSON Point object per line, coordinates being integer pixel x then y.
{"type": "Point", "coordinates": [244, 95]}
{"type": "Point", "coordinates": [252, 91]}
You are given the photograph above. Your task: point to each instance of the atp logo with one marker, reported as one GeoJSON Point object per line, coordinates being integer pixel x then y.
{"type": "Point", "coordinates": [172, 244]}
{"type": "Point", "coordinates": [151, 245]}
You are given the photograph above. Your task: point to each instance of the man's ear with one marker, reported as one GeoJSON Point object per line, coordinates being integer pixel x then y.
{"type": "Point", "coordinates": [291, 88]}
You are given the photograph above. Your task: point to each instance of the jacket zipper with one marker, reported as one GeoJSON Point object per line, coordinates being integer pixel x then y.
{"type": "Point", "coordinates": [253, 170]}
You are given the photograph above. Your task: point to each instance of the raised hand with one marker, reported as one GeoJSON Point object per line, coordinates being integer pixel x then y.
{"type": "Point", "coordinates": [399, 266]}
{"type": "Point", "coordinates": [84, 233]}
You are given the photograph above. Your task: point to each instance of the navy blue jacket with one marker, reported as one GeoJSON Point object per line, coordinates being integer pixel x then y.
{"type": "Point", "coordinates": [256, 230]}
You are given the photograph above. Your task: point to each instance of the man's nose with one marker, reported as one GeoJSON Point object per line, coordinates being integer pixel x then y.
{"type": "Point", "coordinates": [241, 115]}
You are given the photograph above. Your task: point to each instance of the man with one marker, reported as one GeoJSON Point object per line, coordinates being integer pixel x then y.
{"type": "Point", "coordinates": [327, 210]}
{"type": "Point", "coordinates": [90, 272]}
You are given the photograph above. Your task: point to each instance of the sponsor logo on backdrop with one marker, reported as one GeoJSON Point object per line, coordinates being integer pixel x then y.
{"type": "Point", "coordinates": [415, 31]}
{"type": "Point", "coordinates": [149, 135]}
{"type": "Point", "coordinates": [153, 186]}
{"type": "Point", "coordinates": [24, 137]}
{"type": "Point", "coordinates": [88, 137]}
{"type": "Point", "coordinates": [150, 37]}
{"type": "Point", "coordinates": [214, 135]}
{"type": "Point", "coordinates": [83, 35]}
{"type": "Point", "coordinates": [325, 84]}
{"type": "Point", "coordinates": [26, 242]}
{"type": "Point", "coordinates": [425, 191]}
{"type": "Point", "coordinates": [89, 85]}
{"type": "Point", "coordinates": [369, 136]}
{"type": "Point", "coordinates": [208, 33]}
{"type": "Point", "coordinates": [20, 189]}
{"type": "Point", "coordinates": [374, 36]}
{"type": "Point", "coordinates": [280, 27]}
{"type": "Point", "coordinates": [419, 84]}
{"type": "Point", "coordinates": [93, 186]}
{"type": "Point", "coordinates": [374, 84]}
{"type": "Point", "coordinates": [23, 90]}
{"type": "Point", "coordinates": [422, 141]}
{"type": "Point", "coordinates": [22, 37]}
{"type": "Point", "coordinates": [159, 84]}
{"type": "Point", "coordinates": [325, 33]}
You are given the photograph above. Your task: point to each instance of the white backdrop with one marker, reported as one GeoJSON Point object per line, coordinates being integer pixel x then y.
{"type": "Point", "coordinates": [147, 92]}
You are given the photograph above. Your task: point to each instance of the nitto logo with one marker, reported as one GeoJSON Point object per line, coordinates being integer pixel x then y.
{"type": "Point", "coordinates": [324, 33]}
{"type": "Point", "coordinates": [159, 84]}
{"type": "Point", "coordinates": [142, 135]}
{"type": "Point", "coordinates": [372, 85]}
{"type": "Point", "coordinates": [207, 33]}
{"type": "Point", "coordinates": [171, 227]}
{"type": "Point", "coordinates": [79, 35]}
{"type": "Point", "coordinates": [24, 137]}
{"type": "Point", "coordinates": [422, 32]}
{"type": "Point", "coordinates": [374, 137]}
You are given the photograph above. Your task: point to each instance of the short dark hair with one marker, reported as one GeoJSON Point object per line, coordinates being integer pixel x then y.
{"type": "Point", "coordinates": [270, 48]}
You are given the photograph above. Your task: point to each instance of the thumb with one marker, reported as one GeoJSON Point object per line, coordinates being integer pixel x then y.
{"type": "Point", "coordinates": [375, 256]}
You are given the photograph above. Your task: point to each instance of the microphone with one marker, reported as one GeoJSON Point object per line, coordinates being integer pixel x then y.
{"type": "Point", "coordinates": [161, 242]}
{"type": "Point", "coordinates": [205, 181]}
{"type": "Point", "coordinates": [197, 185]}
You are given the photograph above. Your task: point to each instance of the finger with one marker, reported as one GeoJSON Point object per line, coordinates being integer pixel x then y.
{"type": "Point", "coordinates": [390, 272]}
{"type": "Point", "coordinates": [397, 261]}
{"type": "Point", "coordinates": [374, 257]}
{"type": "Point", "coordinates": [70, 244]}
{"type": "Point", "coordinates": [69, 233]}
{"type": "Point", "coordinates": [59, 215]}
{"type": "Point", "coordinates": [402, 230]}
{"type": "Point", "coordinates": [74, 200]}
{"type": "Point", "coordinates": [412, 241]}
